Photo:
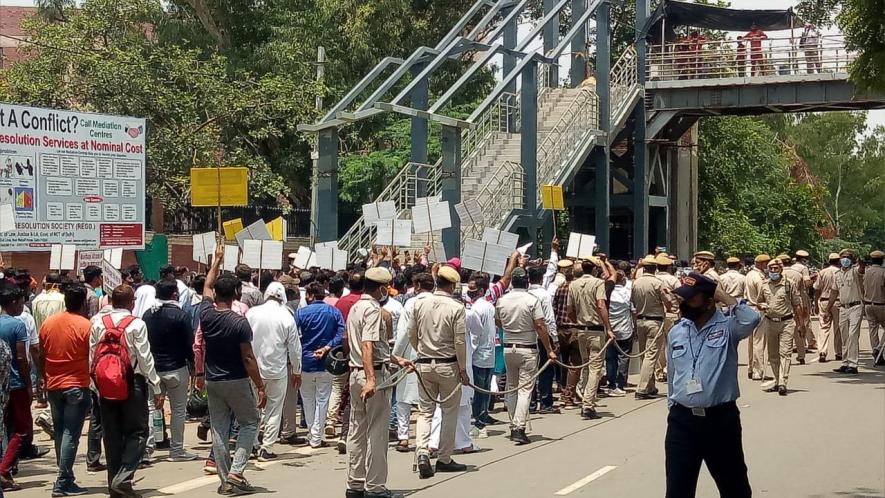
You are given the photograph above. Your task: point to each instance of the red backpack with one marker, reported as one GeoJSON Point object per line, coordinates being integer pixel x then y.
{"type": "Point", "coordinates": [111, 368]}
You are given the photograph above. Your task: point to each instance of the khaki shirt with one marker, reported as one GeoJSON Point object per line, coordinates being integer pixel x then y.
{"type": "Point", "coordinates": [648, 296]}
{"type": "Point", "coordinates": [795, 276]}
{"type": "Point", "coordinates": [517, 311]}
{"type": "Point", "coordinates": [438, 328]}
{"type": "Point", "coordinates": [825, 280]}
{"type": "Point", "coordinates": [733, 283]}
{"type": "Point", "coordinates": [671, 282]}
{"type": "Point", "coordinates": [711, 273]}
{"type": "Point", "coordinates": [781, 301]}
{"type": "Point", "coordinates": [849, 284]}
{"type": "Point", "coordinates": [874, 284]}
{"type": "Point", "coordinates": [364, 324]}
{"type": "Point", "coordinates": [802, 269]}
{"type": "Point", "coordinates": [753, 285]}
{"type": "Point", "coordinates": [583, 294]}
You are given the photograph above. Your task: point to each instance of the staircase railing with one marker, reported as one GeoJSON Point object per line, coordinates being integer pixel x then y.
{"type": "Point", "coordinates": [503, 117]}
{"type": "Point", "coordinates": [623, 80]}
{"type": "Point", "coordinates": [501, 194]}
{"type": "Point", "coordinates": [413, 180]}
{"type": "Point", "coordinates": [557, 148]}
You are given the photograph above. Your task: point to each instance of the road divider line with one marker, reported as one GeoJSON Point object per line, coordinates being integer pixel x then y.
{"type": "Point", "coordinates": [585, 481]}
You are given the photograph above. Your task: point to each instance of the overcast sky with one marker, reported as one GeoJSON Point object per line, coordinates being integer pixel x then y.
{"type": "Point", "coordinates": [876, 117]}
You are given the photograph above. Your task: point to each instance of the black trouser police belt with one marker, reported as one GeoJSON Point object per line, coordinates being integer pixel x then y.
{"type": "Point", "coordinates": [710, 411]}
{"type": "Point", "coordinates": [584, 328]}
{"type": "Point", "coordinates": [849, 305]}
{"type": "Point", "coordinates": [873, 303]}
{"type": "Point", "coordinates": [781, 319]}
{"type": "Point", "coordinates": [453, 359]}
{"type": "Point", "coordinates": [652, 318]}
{"type": "Point", "coordinates": [522, 346]}
{"type": "Point", "coordinates": [377, 366]}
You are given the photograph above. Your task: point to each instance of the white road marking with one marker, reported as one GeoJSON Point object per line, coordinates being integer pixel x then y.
{"type": "Point", "coordinates": [207, 480]}
{"type": "Point", "coordinates": [585, 481]}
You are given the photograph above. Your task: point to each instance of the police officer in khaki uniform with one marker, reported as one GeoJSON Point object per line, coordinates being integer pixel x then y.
{"type": "Point", "coordinates": [704, 264]}
{"type": "Point", "coordinates": [874, 302]}
{"type": "Point", "coordinates": [779, 301]}
{"type": "Point", "coordinates": [648, 300]}
{"type": "Point", "coordinates": [801, 266]}
{"type": "Point", "coordinates": [437, 333]}
{"type": "Point", "coordinates": [588, 310]}
{"type": "Point", "coordinates": [795, 277]}
{"type": "Point", "coordinates": [848, 289]}
{"type": "Point", "coordinates": [521, 316]}
{"type": "Point", "coordinates": [369, 410]}
{"type": "Point", "coordinates": [753, 283]}
{"type": "Point", "coordinates": [664, 265]}
{"type": "Point", "coordinates": [733, 281]}
{"type": "Point", "coordinates": [829, 318]}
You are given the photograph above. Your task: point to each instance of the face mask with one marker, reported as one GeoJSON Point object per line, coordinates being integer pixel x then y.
{"type": "Point", "coordinates": [690, 312]}
{"type": "Point", "coordinates": [98, 292]}
{"type": "Point", "coordinates": [774, 275]}
{"type": "Point", "coordinates": [845, 262]}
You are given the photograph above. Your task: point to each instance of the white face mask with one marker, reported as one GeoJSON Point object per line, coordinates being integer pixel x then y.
{"type": "Point", "coordinates": [845, 262]}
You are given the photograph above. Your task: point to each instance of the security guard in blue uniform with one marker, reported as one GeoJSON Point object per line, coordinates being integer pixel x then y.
{"type": "Point", "coordinates": [704, 423]}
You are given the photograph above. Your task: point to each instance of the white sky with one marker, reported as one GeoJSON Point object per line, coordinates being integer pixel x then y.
{"type": "Point", "coordinates": [876, 117]}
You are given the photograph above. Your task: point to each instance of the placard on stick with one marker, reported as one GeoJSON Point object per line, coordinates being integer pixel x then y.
{"type": "Point", "coordinates": [393, 233]}
{"type": "Point", "coordinates": [580, 245]}
{"type": "Point", "coordinates": [506, 239]}
{"type": "Point", "coordinates": [377, 211]}
{"type": "Point", "coordinates": [469, 212]}
{"type": "Point", "coordinates": [277, 229]}
{"type": "Point", "coordinates": [62, 256]}
{"type": "Point", "coordinates": [331, 258]}
{"type": "Point", "coordinates": [263, 254]}
{"type": "Point", "coordinates": [437, 253]}
{"type": "Point", "coordinates": [232, 227]}
{"type": "Point", "coordinates": [255, 231]}
{"type": "Point", "coordinates": [429, 215]}
{"type": "Point", "coordinates": [206, 191]}
{"type": "Point", "coordinates": [114, 256]}
{"type": "Point", "coordinates": [484, 256]}
{"type": "Point", "coordinates": [305, 258]}
{"type": "Point", "coordinates": [111, 276]}
{"type": "Point", "coordinates": [552, 198]}
{"type": "Point", "coordinates": [204, 246]}
{"type": "Point", "coordinates": [231, 257]}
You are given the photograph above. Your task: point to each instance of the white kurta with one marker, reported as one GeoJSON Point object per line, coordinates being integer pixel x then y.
{"type": "Point", "coordinates": [407, 390]}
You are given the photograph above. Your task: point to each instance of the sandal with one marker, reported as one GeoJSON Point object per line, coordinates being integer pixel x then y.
{"type": "Point", "coordinates": [240, 484]}
{"type": "Point", "coordinates": [9, 484]}
{"type": "Point", "coordinates": [402, 446]}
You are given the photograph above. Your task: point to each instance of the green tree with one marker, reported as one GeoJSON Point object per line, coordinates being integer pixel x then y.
{"type": "Point", "coordinates": [863, 23]}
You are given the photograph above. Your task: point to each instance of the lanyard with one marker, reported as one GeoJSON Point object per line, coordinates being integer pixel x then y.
{"type": "Point", "coordinates": [695, 358]}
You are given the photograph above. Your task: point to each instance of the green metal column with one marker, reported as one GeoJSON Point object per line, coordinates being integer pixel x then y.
{"type": "Point", "coordinates": [578, 70]}
{"type": "Point", "coordinates": [451, 185]}
{"type": "Point", "coordinates": [528, 153]}
{"type": "Point", "coordinates": [509, 41]}
{"type": "Point", "coordinates": [602, 204]}
{"type": "Point", "coordinates": [419, 129]}
{"type": "Point", "coordinates": [640, 156]}
{"type": "Point", "coordinates": [325, 193]}
{"type": "Point", "coordinates": [550, 35]}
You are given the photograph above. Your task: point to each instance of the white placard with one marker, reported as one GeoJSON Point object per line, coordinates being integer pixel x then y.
{"type": "Point", "coordinates": [111, 276]}
{"type": "Point", "coordinates": [437, 253]}
{"type": "Point", "coordinates": [484, 256]}
{"type": "Point", "coordinates": [493, 236]}
{"type": "Point", "coordinates": [331, 258]}
{"type": "Point", "coordinates": [255, 231]}
{"type": "Point", "coordinates": [524, 249]}
{"type": "Point", "coordinates": [429, 215]}
{"type": "Point", "coordinates": [114, 256]}
{"type": "Point", "coordinates": [331, 243]}
{"type": "Point", "coordinates": [263, 254]}
{"type": "Point", "coordinates": [89, 258]}
{"type": "Point", "coordinates": [252, 253]}
{"type": "Point", "coordinates": [204, 246]}
{"type": "Point", "coordinates": [304, 257]}
{"type": "Point", "coordinates": [7, 218]}
{"type": "Point", "coordinates": [62, 256]}
{"type": "Point", "coordinates": [377, 211]}
{"type": "Point", "coordinates": [580, 245]}
{"type": "Point", "coordinates": [231, 257]}
{"type": "Point", "coordinates": [469, 212]}
{"type": "Point", "coordinates": [393, 233]}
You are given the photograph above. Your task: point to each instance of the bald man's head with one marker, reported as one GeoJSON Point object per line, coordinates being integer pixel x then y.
{"type": "Point", "coordinates": [123, 298]}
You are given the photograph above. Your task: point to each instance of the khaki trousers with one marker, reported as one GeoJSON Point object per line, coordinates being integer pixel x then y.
{"type": "Point", "coordinates": [661, 364]}
{"type": "Point", "coordinates": [779, 336]}
{"type": "Point", "coordinates": [591, 342]}
{"type": "Point", "coordinates": [827, 323]}
{"type": "Point", "coordinates": [756, 346]}
{"type": "Point", "coordinates": [440, 379]}
{"type": "Point", "coordinates": [522, 365]}
{"type": "Point", "coordinates": [367, 435]}
{"type": "Point", "coordinates": [849, 325]}
{"type": "Point", "coordinates": [875, 320]}
{"type": "Point", "coordinates": [649, 337]}
{"type": "Point", "coordinates": [339, 387]}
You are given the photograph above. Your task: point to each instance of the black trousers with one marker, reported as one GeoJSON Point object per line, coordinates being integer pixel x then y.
{"type": "Point", "coordinates": [93, 439]}
{"type": "Point", "coordinates": [125, 425]}
{"type": "Point", "coordinates": [714, 439]}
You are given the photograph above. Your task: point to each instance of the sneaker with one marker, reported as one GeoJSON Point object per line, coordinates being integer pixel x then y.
{"type": "Point", "coordinates": [479, 433]}
{"type": "Point", "coordinates": [69, 490]}
{"type": "Point", "coordinates": [266, 456]}
{"type": "Point", "coordinates": [492, 421]}
{"type": "Point", "coordinates": [617, 392]}
{"type": "Point", "coordinates": [321, 444]}
{"type": "Point", "coordinates": [96, 468]}
{"type": "Point", "coordinates": [549, 410]}
{"type": "Point", "coordinates": [44, 422]}
{"type": "Point", "coordinates": [35, 452]}
{"type": "Point", "coordinates": [341, 446]}
{"type": "Point", "coordinates": [210, 468]}
{"type": "Point", "coordinates": [203, 432]}
{"type": "Point", "coordinates": [294, 440]}
{"type": "Point", "coordinates": [182, 457]}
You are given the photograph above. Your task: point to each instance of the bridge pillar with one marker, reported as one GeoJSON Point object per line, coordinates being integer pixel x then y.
{"type": "Point", "coordinates": [640, 157]}
{"type": "Point", "coordinates": [551, 37]}
{"type": "Point", "coordinates": [578, 70]}
{"type": "Point", "coordinates": [450, 179]}
{"type": "Point", "coordinates": [684, 196]}
{"type": "Point", "coordinates": [324, 198]}
{"type": "Point", "coordinates": [528, 153]}
{"type": "Point", "coordinates": [602, 204]}
{"type": "Point", "coordinates": [419, 129]}
{"type": "Point", "coordinates": [509, 41]}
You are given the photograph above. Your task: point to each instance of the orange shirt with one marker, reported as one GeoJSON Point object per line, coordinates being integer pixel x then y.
{"type": "Point", "coordinates": [65, 341]}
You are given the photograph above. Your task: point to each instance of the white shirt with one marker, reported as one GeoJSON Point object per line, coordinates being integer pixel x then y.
{"type": "Point", "coordinates": [136, 342]}
{"type": "Point", "coordinates": [620, 312]}
{"type": "Point", "coordinates": [546, 305]}
{"type": "Point", "coordinates": [480, 318]}
{"type": "Point", "coordinates": [274, 334]}
{"type": "Point", "coordinates": [33, 337]}
{"type": "Point", "coordinates": [395, 308]}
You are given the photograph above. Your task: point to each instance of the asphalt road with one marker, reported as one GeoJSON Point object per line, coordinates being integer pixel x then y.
{"type": "Point", "coordinates": [825, 439]}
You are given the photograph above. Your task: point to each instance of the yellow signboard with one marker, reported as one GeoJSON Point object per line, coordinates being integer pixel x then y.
{"type": "Point", "coordinates": [231, 227]}
{"type": "Point", "coordinates": [276, 228]}
{"type": "Point", "coordinates": [205, 189]}
{"type": "Point", "coordinates": [551, 197]}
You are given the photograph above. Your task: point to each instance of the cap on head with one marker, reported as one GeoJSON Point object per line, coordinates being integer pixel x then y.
{"type": "Point", "coordinates": [455, 263]}
{"type": "Point", "coordinates": [732, 260]}
{"type": "Point", "coordinates": [877, 254]}
{"type": "Point", "coordinates": [705, 256]}
{"type": "Point", "coordinates": [763, 258]}
{"type": "Point", "coordinates": [649, 261]}
{"type": "Point", "coordinates": [802, 253]}
{"type": "Point", "coordinates": [695, 284]}
{"type": "Point", "coordinates": [846, 252]}
{"type": "Point", "coordinates": [663, 259]}
{"type": "Point", "coordinates": [519, 272]}
{"type": "Point", "coordinates": [784, 258]}
{"type": "Point", "coordinates": [378, 275]}
{"type": "Point", "coordinates": [774, 262]}
{"type": "Point", "coordinates": [832, 256]}
{"type": "Point", "coordinates": [288, 282]}
{"type": "Point", "coordinates": [565, 263]}
{"type": "Point", "coordinates": [449, 274]}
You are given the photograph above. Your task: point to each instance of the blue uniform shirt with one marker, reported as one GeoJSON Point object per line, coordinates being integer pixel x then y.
{"type": "Point", "coordinates": [321, 325]}
{"type": "Point", "coordinates": [711, 353]}
{"type": "Point", "coordinates": [13, 331]}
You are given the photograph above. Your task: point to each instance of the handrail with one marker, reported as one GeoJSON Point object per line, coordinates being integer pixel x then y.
{"type": "Point", "coordinates": [500, 118]}
{"type": "Point", "coordinates": [502, 192]}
